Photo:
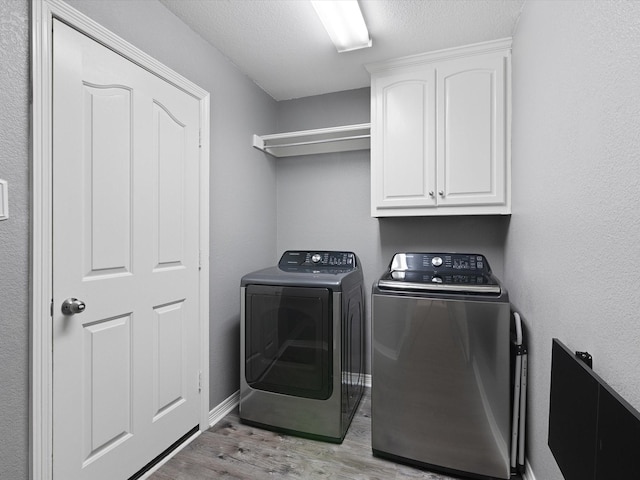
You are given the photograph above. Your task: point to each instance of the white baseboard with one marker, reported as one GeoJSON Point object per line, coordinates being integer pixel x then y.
{"type": "Point", "coordinates": [219, 411]}
{"type": "Point", "coordinates": [528, 473]}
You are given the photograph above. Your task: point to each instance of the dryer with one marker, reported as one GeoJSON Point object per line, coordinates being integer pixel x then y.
{"type": "Point", "coordinates": [302, 344]}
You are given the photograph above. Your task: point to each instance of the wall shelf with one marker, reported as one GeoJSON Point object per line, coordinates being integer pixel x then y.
{"type": "Point", "coordinates": [322, 140]}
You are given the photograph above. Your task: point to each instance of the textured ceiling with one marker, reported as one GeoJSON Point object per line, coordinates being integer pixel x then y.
{"type": "Point", "coordinates": [282, 46]}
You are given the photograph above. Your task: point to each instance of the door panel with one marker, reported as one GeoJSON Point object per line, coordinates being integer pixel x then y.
{"type": "Point", "coordinates": [405, 173]}
{"type": "Point", "coordinates": [107, 385]}
{"type": "Point", "coordinates": [471, 142]}
{"type": "Point", "coordinates": [168, 374]}
{"type": "Point", "coordinates": [169, 149]}
{"type": "Point", "coordinates": [108, 143]}
{"type": "Point", "coordinates": [469, 110]}
{"type": "Point", "coordinates": [126, 242]}
{"type": "Point", "coordinates": [404, 127]}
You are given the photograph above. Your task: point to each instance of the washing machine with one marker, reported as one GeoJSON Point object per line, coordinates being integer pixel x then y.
{"type": "Point", "coordinates": [441, 383]}
{"type": "Point", "coordinates": [302, 344]}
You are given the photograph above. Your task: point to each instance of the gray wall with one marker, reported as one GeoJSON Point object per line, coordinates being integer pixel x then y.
{"type": "Point", "coordinates": [14, 239]}
{"type": "Point", "coordinates": [243, 201]}
{"type": "Point", "coordinates": [324, 200]}
{"type": "Point", "coordinates": [573, 247]}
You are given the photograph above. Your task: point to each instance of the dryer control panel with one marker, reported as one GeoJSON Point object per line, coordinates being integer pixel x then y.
{"type": "Point", "coordinates": [343, 260]}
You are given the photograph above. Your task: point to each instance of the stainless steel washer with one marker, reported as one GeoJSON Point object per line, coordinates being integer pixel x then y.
{"type": "Point", "coordinates": [441, 363]}
{"type": "Point", "coordinates": [302, 344]}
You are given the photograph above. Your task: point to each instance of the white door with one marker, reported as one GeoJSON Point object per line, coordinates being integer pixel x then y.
{"type": "Point", "coordinates": [125, 242]}
{"type": "Point", "coordinates": [472, 130]}
{"type": "Point", "coordinates": [403, 133]}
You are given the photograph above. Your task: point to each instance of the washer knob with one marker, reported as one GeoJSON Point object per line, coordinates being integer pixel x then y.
{"type": "Point", "coordinates": [316, 257]}
{"type": "Point", "coordinates": [436, 261]}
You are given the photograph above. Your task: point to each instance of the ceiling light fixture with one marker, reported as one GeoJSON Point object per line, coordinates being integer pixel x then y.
{"type": "Point", "coordinates": [343, 21]}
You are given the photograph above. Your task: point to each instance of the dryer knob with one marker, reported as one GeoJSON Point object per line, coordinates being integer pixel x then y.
{"type": "Point", "coordinates": [316, 257]}
{"type": "Point", "coordinates": [436, 261]}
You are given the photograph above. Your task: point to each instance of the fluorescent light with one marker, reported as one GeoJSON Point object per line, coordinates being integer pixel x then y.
{"type": "Point", "coordinates": [343, 21]}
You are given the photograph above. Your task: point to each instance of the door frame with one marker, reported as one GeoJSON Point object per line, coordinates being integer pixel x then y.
{"type": "Point", "coordinates": [41, 382]}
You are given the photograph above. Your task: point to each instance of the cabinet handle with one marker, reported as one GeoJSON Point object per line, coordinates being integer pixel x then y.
{"type": "Point", "coordinates": [441, 193]}
{"type": "Point", "coordinates": [431, 193]}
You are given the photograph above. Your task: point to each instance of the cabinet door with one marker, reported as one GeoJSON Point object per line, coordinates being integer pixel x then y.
{"type": "Point", "coordinates": [472, 131]}
{"type": "Point", "coordinates": [403, 170]}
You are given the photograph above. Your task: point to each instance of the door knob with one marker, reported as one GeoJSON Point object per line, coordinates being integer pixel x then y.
{"type": "Point", "coordinates": [71, 306]}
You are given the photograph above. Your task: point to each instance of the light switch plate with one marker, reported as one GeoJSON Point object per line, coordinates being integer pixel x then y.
{"type": "Point", "coordinates": [4, 200]}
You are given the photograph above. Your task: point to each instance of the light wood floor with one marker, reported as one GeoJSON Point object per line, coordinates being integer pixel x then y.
{"type": "Point", "coordinates": [231, 450]}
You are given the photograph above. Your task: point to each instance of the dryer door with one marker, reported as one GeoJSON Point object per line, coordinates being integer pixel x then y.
{"type": "Point", "coordinates": [288, 340]}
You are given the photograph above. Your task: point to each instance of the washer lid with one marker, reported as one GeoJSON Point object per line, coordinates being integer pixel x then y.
{"type": "Point", "coordinates": [440, 272]}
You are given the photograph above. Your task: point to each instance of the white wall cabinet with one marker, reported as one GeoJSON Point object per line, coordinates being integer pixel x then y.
{"type": "Point", "coordinates": [440, 132]}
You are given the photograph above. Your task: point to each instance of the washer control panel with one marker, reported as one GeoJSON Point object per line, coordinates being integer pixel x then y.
{"type": "Point", "coordinates": [346, 260]}
{"type": "Point", "coordinates": [450, 262]}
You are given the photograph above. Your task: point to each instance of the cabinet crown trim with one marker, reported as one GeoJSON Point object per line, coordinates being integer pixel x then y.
{"type": "Point", "coordinates": [503, 44]}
